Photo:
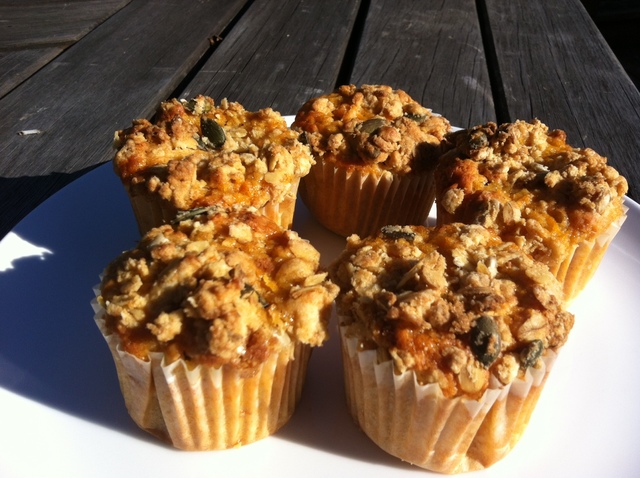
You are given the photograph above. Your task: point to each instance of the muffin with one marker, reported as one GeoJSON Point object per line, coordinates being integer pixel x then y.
{"type": "Point", "coordinates": [196, 154]}
{"type": "Point", "coordinates": [561, 204]}
{"type": "Point", "coordinates": [211, 322]}
{"type": "Point", "coordinates": [448, 336]}
{"type": "Point", "coordinates": [374, 149]}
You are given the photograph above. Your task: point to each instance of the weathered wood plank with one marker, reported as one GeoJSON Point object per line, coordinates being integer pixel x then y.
{"type": "Point", "coordinates": [17, 66]}
{"type": "Point", "coordinates": [425, 52]}
{"type": "Point", "coordinates": [33, 32]}
{"type": "Point", "coordinates": [35, 23]}
{"type": "Point", "coordinates": [119, 71]}
{"type": "Point", "coordinates": [279, 54]}
{"type": "Point", "coordinates": [559, 69]}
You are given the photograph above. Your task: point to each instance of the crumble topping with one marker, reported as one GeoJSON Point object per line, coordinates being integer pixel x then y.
{"type": "Point", "coordinates": [219, 288]}
{"type": "Point", "coordinates": [372, 126]}
{"type": "Point", "coordinates": [453, 303]}
{"type": "Point", "coordinates": [197, 153]}
{"type": "Point", "coordinates": [527, 183]}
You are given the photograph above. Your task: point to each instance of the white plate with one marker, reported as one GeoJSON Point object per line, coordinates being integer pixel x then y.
{"type": "Point", "coordinates": [61, 412]}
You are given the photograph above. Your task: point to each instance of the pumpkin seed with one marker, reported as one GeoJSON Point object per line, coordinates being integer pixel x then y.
{"type": "Point", "coordinates": [201, 144]}
{"type": "Point", "coordinates": [397, 232]}
{"type": "Point", "coordinates": [193, 213]}
{"type": "Point", "coordinates": [531, 353]}
{"type": "Point", "coordinates": [486, 342]}
{"type": "Point", "coordinates": [248, 290]}
{"type": "Point", "coordinates": [194, 106]}
{"type": "Point", "coordinates": [372, 125]}
{"type": "Point", "coordinates": [418, 118]}
{"type": "Point", "coordinates": [478, 139]}
{"type": "Point", "coordinates": [189, 105]}
{"type": "Point", "coordinates": [213, 132]}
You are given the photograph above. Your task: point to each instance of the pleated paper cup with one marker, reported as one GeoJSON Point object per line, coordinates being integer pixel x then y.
{"type": "Point", "coordinates": [150, 210]}
{"type": "Point", "coordinates": [578, 268]}
{"type": "Point", "coordinates": [352, 201]}
{"type": "Point", "coordinates": [204, 407]}
{"type": "Point", "coordinates": [419, 425]}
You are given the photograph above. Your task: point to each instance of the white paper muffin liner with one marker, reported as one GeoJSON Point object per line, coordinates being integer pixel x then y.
{"type": "Point", "coordinates": [578, 268]}
{"type": "Point", "coordinates": [418, 424]}
{"type": "Point", "coordinates": [208, 408]}
{"type": "Point", "coordinates": [149, 211]}
{"type": "Point", "coordinates": [349, 201]}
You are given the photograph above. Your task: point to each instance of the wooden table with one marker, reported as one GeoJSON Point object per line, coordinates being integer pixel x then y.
{"type": "Point", "coordinates": [72, 73]}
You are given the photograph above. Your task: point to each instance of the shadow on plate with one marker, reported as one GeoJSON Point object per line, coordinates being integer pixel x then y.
{"type": "Point", "coordinates": [50, 348]}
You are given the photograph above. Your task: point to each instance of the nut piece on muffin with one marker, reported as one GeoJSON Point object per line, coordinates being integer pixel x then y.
{"type": "Point", "coordinates": [198, 154]}
{"type": "Point", "coordinates": [561, 204]}
{"type": "Point", "coordinates": [375, 150]}
{"type": "Point", "coordinates": [448, 335]}
{"type": "Point", "coordinates": [210, 322]}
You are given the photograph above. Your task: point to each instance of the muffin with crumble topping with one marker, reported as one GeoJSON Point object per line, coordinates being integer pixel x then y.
{"type": "Point", "coordinates": [375, 150]}
{"type": "Point", "coordinates": [211, 322]}
{"type": "Point", "coordinates": [448, 336]}
{"type": "Point", "coordinates": [563, 205]}
{"type": "Point", "coordinates": [199, 154]}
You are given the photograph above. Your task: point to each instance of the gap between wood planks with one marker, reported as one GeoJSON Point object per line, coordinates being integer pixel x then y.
{"type": "Point", "coordinates": [493, 67]}
{"type": "Point", "coordinates": [214, 43]}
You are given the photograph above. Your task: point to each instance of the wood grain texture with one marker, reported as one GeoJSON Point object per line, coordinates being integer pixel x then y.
{"type": "Point", "coordinates": [503, 60]}
{"type": "Point", "coordinates": [425, 52]}
{"type": "Point", "coordinates": [558, 68]}
{"type": "Point", "coordinates": [35, 23]}
{"type": "Point", "coordinates": [279, 54]}
{"type": "Point", "coordinates": [33, 32]}
{"type": "Point", "coordinates": [17, 66]}
{"type": "Point", "coordinates": [120, 71]}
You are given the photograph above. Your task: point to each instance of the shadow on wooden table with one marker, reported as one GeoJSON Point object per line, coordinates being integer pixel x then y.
{"type": "Point", "coordinates": [617, 20]}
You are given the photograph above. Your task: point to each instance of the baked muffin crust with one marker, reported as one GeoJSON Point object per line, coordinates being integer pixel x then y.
{"type": "Point", "coordinates": [373, 127]}
{"type": "Point", "coordinates": [454, 303]}
{"type": "Point", "coordinates": [218, 289]}
{"type": "Point", "coordinates": [197, 153]}
{"type": "Point", "coordinates": [527, 183]}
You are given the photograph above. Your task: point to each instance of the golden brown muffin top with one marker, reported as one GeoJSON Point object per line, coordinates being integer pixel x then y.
{"type": "Point", "coordinates": [197, 154]}
{"type": "Point", "coordinates": [373, 127]}
{"type": "Point", "coordinates": [454, 303]}
{"type": "Point", "coordinates": [527, 182]}
{"type": "Point", "coordinates": [218, 288]}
